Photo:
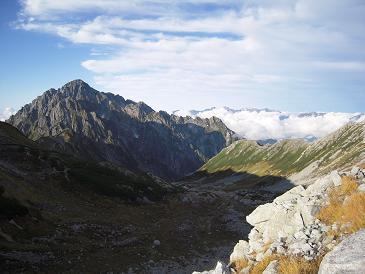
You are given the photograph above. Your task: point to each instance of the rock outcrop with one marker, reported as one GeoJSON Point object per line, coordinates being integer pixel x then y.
{"type": "Point", "coordinates": [289, 227]}
{"type": "Point", "coordinates": [347, 257]}
{"type": "Point", "coordinates": [105, 127]}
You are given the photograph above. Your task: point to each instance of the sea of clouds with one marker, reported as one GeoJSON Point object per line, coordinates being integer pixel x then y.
{"type": "Point", "coordinates": [262, 124]}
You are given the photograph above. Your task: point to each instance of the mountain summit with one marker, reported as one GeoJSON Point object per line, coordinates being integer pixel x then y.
{"type": "Point", "coordinates": [107, 128]}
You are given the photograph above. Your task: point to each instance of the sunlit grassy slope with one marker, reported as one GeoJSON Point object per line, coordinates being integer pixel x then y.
{"type": "Point", "coordinates": [290, 156]}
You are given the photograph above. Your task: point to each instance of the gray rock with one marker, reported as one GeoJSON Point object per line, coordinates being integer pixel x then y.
{"type": "Point", "coordinates": [240, 251]}
{"type": "Point", "coordinates": [354, 170]}
{"type": "Point", "coordinates": [346, 257]}
{"type": "Point", "coordinates": [272, 268]}
{"type": "Point", "coordinates": [336, 178]}
{"type": "Point", "coordinates": [361, 188]}
{"type": "Point", "coordinates": [300, 235]}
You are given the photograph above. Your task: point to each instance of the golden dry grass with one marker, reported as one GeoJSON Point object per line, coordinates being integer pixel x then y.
{"type": "Point", "coordinates": [261, 266]}
{"type": "Point", "coordinates": [346, 207]}
{"type": "Point", "coordinates": [287, 265]}
{"type": "Point", "coordinates": [239, 265]}
{"type": "Point", "coordinates": [298, 265]}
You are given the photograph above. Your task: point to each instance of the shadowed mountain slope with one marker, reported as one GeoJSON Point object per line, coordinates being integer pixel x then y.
{"type": "Point", "coordinates": [26, 165]}
{"type": "Point", "coordinates": [105, 127]}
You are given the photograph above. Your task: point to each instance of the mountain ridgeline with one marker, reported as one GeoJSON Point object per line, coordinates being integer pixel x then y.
{"type": "Point", "coordinates": [296, 157]}
{"type": "Point", "coordinates": [105, 127]}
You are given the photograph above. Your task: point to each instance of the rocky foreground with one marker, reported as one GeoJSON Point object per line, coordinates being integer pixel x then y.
{"type": "Point", "coordinates": [319, 228]}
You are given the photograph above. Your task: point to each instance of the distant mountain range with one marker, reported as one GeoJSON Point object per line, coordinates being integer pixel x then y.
{"type": "Point", "coordinates": [270, 125]}
{"type": "Point", "coordinates": [104, 127]}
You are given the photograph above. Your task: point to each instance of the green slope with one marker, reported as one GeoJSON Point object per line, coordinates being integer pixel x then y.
{"type": "Point", "coordinates": [286, 157]}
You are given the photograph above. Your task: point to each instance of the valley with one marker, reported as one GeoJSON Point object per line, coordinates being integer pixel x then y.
{"type": "Point", "coordinates": [93, 183]}
{"type": "Point", "coordinates": [67, 224]}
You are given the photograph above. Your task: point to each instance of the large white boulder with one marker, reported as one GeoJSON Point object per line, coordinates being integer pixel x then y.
{"type": "Point", "coordinates": [240, 251]}
{"type": "Point", "coordinates": [347, 257]}
{"type": "Point", "coordinates": [283, 217]}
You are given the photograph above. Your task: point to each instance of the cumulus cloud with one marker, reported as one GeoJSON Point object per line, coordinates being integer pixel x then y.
{"type": "Point", "coordinates": [261, 124]}
{"type": "Point", "coordinates": [6, 113]}
{"type": "Point", "coordinates": [206, 46]}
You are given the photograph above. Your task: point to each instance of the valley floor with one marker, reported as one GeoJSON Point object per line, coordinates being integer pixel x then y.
{"type": "Point", "coordinates": [94, 234]}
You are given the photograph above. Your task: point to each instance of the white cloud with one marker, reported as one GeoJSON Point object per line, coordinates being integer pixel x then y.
{"type": "Point", "coordinates": [269, 124]}
{"type": "Point", "coordinates": [240, 47]}
{"type": "Point", "coordinates": [6, 113]}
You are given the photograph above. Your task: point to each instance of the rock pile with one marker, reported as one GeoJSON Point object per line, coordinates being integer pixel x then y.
{"type": "Point", "coordinates": [289, 226]}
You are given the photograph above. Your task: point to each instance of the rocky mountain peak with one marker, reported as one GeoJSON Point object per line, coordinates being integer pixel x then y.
{"type": "Point", "coordinates": [106, 127]}
{"type": "Point", "coordinates": [76, 85]}
{"type": "Point", "coordinates": [79, 90]}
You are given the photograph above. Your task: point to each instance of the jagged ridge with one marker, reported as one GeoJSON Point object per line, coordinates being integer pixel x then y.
{"type": "Point", "coordinates": [105, 127]}
{"type": "Point", "coordinates": [287, 157]}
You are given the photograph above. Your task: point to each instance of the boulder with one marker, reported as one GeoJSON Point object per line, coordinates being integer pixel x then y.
{"type": "Point", "coordinates": [336, 178]}
{"type": "Point", "coordinates": [347, 257]}
{"type": "Point", "coordinates": [320, 186]}
{"type": "Point", "coordinates": [240, 251]}
{"type": "Point", "coordinates": [293, 193]}
{"type": "Point", "coordinates": [261, 214]}
{"type": "Point", "coordinates": [272, 268]}
{"type": "Point", "coordinates": [354, 170]}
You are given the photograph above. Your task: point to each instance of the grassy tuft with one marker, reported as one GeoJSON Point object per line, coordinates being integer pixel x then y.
{"type": "Point", "coordinates": [261, 266]}
{"type": "Point", "coordinates": [287, 265]}
{"type": "Point", "coordinates": [298, 265]}
{"type": "Point", "coordinates": [346, 207]}
{"type": "Point", "coordinates": [240, 264]}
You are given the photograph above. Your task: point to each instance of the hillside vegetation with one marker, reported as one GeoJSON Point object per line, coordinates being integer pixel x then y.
{"type": "Point", "coordinates": [291, 156]}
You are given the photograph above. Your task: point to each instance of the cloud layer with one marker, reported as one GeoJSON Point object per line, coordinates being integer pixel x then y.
{"type": "Point", "coordinates": [6, 113]}
{"type": "Point", "coordinates": [261, 124]}
{"type": "Point", "coordinates": [156, 50]}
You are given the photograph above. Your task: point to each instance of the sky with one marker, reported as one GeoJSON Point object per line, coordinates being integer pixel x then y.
{"type": "Point", "coordinates": [297, 55]}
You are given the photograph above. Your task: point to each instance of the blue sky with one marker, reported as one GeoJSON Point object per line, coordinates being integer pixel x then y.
{"type": "Point", "coordinates": [288, 55]}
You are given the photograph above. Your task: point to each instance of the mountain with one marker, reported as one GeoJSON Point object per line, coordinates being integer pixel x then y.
{"type": "Point", "coordinates": [29, 170]}
{"type": "Point", "coordinates": [295, 159]}
{"type": "Point", "coordinates": [105, 127]}
{"type": "Point", "coordinates": [266, 124]}
{"type": "Point", "coordinates": [62, 214]}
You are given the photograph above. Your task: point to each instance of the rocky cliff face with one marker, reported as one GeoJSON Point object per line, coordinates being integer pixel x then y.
{"type": "Point", "coordinates": [105, 127]}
